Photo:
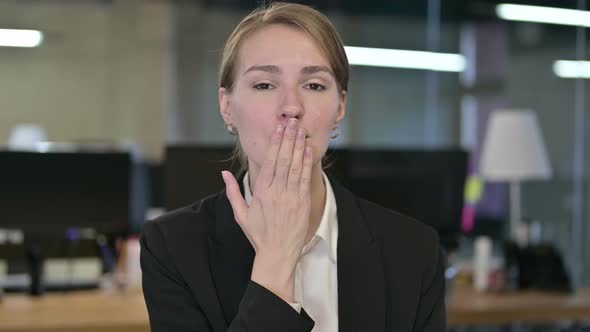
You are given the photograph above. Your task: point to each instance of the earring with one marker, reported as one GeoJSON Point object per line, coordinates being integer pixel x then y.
{"type": "Point", "coordinates": [231, 130]}
{"type": "Point", "coordinates": [335, 132]}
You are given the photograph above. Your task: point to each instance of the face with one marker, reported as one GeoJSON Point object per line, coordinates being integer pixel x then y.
{"type": "Point", "coordinates": [281, 74]}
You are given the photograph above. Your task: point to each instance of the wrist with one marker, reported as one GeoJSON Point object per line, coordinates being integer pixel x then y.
{"type": "Point", "coordinates": [278, 276]}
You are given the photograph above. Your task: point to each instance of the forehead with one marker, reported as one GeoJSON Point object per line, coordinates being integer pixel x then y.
{"type": "Point", "coordinates": [280, 45]}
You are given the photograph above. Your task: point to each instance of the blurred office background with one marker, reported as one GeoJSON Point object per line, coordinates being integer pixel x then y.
{"type": "Point", "coordinates": [140, 77]}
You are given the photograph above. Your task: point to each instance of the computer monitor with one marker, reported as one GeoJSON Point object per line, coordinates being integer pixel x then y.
{"type": "Point", "coordinates": [427, 185]}
{"type": "Point", "coordinates": [193, 172]}
{"type": "Point", "coordinates": [48, 193]}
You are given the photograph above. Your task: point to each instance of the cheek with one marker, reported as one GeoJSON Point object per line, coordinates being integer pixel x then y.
{"type": "Point", "coordinates": [321, 116]}
{"type": "Point", "coordinates": [322, 107]}
{"type": "Point", "coordinates": [254, 122]}
{"type": "Point", "coordinates": [250, 113]}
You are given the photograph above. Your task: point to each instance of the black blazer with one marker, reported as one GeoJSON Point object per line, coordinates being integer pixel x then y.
{"type": "Point", "coordinates": [197, 262]}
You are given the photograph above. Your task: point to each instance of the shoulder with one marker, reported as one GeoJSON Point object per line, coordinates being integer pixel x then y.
{"type": "Point", "coordinates": [192, 222]}
{"type": "Point", "coordinates": [397, 233]}
{"type": "Point", "coordinates": [386, 222]}
{"type": "Point", "coordinates": [400, 234]}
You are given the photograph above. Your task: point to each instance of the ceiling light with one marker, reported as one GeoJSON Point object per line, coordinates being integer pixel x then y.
{"type": "Point", "coordinates": [381, 57]}
{"type": "Point", "coordinates": [20, 38]}
{"type": "Point", "coordinates": [572, 69]}
{"type": "Point", "coordinates": [549, 15]}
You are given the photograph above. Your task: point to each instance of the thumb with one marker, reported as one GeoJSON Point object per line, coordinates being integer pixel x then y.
{"type": "Point", "coordinates": [232, 190]}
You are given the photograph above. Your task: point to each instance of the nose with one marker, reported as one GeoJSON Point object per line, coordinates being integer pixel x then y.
{"type": "Point", "coordinates": [291, 106]}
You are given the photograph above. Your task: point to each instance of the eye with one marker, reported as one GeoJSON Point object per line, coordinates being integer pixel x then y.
{"type": "Point", "coordinates": [316, 87]}
{"type": "Point", "coordinates": [263, 86]}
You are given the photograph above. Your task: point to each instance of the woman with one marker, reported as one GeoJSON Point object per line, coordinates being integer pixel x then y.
{"type": "Point", "coordinates": [285, 248]}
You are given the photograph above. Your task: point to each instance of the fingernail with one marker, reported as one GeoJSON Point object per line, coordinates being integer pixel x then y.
{"type": "Point", "coordinates": [224, 176]}
{"type": "Point", "coordinates": [280, 129]}
{"type": "Point", "coordinates": [292, 122]}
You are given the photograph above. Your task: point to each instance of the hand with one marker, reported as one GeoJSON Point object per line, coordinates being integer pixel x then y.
{"type": "Point", "coordinates": [277, 221]}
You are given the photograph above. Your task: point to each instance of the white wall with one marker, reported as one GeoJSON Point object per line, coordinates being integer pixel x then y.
{"type": "Point", "coordinates": [102, 73]}
{"type": "Point", "coordinates": [385, 107]}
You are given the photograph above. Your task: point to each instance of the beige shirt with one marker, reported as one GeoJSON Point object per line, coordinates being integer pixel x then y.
{"type": "Point", "coordinates": [316, 273]}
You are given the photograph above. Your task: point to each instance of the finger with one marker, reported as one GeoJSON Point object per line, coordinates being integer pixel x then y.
{"type": "Point", "coordinates": [305, 183]}
{"type": "Point", "coordinates": [285, 155]}
{"type": "Point", "coordinates": [232, 190]}
{"type": "Point", "coordinates": [267, 170]}
{"type": "Point", "coordinates": [294, 177]}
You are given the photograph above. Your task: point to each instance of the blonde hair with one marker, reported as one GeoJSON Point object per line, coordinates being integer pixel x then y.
{"type": "Point", "coordinates": [316, 24]}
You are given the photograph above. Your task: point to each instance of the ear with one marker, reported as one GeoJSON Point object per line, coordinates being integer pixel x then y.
{"type": "Point", "coordinates": [341, 107]}
{"type": "Point", "coordinates": [224, 97]}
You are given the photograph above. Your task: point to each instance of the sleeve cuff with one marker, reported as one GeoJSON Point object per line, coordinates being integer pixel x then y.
{"type": "Point", "coordinates": [262, 310]}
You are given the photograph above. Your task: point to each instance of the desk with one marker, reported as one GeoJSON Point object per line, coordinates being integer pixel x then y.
{"type": "Point", "coordinates": [96, 311]}
{"type": "Point", "coordinates": [88, 311]}
{"type": "Point", "coordinates": [468, 307]}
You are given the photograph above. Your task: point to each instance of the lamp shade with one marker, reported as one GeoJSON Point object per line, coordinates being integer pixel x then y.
{"type": "Point", "coordinates": [513, 148]}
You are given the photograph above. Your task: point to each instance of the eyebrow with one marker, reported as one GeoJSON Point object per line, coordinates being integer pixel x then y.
{"type": "Point", "coordinates": [266, 68]}
{"type": "Point", "coordinates": [316, 69]}
{"type": "Point", "coordinates": [276, 70]}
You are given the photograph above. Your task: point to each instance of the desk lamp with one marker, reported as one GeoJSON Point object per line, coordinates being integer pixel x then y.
{"type": "Point", "coordinates": [513, 151]}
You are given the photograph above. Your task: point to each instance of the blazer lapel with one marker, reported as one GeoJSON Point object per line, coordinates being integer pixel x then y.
{"type": "Point", "coordinates": [231, 258]}
{"type": "Point", "coordinates": [361, 281]}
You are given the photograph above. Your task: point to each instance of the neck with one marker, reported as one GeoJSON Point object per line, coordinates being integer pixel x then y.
{"type": "Point", "coordinates": [318, 196]}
